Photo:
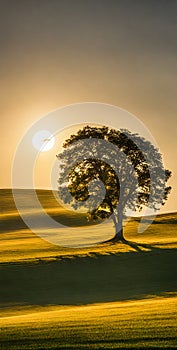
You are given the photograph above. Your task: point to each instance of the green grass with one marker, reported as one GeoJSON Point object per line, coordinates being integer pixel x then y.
{"type": "Point", "coordinates": [100, 297]}
{"type": "Point", "coordinates": [135, 324]}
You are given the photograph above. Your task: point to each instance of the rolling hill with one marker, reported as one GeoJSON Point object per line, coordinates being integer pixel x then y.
{"type": "Point", "coordinates": [100, 297]}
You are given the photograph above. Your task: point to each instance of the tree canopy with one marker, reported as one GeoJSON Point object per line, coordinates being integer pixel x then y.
{"type": "Point", "coordinates": [109, 171]}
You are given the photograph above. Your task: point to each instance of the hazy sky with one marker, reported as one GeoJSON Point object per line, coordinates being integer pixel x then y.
{"type": "Point", "coordinates": [55, 53]}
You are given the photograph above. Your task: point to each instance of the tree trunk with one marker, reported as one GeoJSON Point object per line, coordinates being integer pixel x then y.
{"type": "Point", "coordinates": [119, 237]}
{"type": "Point", "coordinates": [119, 227]}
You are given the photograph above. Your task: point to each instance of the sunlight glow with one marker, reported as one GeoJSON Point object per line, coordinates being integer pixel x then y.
{"type": "Point", "coordinates": [43, 140]}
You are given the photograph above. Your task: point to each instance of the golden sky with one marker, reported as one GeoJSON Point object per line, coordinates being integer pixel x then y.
{"type": "Point", "coordinates": [55, 53]}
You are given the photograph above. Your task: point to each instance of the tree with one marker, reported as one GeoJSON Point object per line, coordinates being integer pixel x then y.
{"type": "Point", "coordinates": [129, 167]}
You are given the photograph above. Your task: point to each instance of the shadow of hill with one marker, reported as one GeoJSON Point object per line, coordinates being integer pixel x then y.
{"type": "Point", "coordinates": [12, 224]}
{"type": "Point", "coordinates": [15, 223]}
{"type": "Point", "coordinates": [11, 220]}
{"type": "Point", "coordinates": [90, 280]}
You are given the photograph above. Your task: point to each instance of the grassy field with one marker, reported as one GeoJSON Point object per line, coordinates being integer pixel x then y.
{"type": "Point", "coordinates": [132, 324]}
{"type": "Point", "coordinates": [100, 297]}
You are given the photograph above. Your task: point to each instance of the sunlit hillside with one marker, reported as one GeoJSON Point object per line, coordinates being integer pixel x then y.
{"type": "Point", "coordinates": [19, 243]}
{"type": "Point", "coordinates": [106, 296]}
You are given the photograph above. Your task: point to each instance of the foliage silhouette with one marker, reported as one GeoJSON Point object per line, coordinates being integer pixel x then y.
{"type": "Point", "coordinates": [129, 167]}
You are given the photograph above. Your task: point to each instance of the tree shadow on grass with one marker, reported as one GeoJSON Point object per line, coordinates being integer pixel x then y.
{"type": "Point", "coordinates": [139, 246]}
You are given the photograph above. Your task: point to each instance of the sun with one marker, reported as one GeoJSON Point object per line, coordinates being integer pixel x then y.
{"type": "Point", "coordinates": [43, 140]}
